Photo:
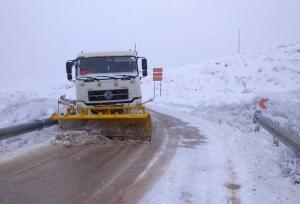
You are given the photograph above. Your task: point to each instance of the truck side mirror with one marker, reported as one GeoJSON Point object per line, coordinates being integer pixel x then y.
{"type": "Point", "coordinates": [144, 67]}
{"type": "Point", "coordinates": [69, 66]}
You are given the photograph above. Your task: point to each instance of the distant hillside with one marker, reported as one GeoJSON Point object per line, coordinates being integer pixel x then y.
{"type": "Point", "coordinates": [229, 87]}
{"type": "Point", "coordinates": [232, 79]}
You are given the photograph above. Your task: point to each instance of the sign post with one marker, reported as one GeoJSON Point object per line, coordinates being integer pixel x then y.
{"type": "Point", "coordinates": [160, 88]}
{"type": "Point", "coordinates": [157, 76]}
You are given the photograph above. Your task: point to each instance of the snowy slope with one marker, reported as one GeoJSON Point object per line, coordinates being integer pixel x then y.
{"type": "Point", "coordinates": [233, 79]}
{"type": "Point", "coordinates": [237, 81]}
{"type": "Point", "coordinates": [18, 106]}
{"type": "Point", "coordinates": [24, 105]}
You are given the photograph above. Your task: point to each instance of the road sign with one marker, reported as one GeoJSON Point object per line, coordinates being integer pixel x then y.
{"type": "Point", "coordinates": [157, 69]}
{"type": "Point", "coordinates": [157, 74]}
{"type": "Point", "coordinates": [262, 103]}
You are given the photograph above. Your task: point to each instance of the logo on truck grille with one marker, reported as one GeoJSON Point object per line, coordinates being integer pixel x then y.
{"type": "Point", "coordinates": [108, 95]}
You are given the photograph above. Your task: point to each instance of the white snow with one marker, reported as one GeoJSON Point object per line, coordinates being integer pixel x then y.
{"type": "Point", "coordinates": [227, 156]}
{"type": "Point", "coordinates": [20, 106]}
{"type": "Point", "coordinates": [15, 146]}
{"type": "Point", "coordinates": [219, 98]}
{"type": "Point", "coordinates": [234, 84]}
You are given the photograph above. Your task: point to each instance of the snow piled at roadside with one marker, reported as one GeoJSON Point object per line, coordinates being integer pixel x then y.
{"type": "Point", "coordinates": [20, 106]}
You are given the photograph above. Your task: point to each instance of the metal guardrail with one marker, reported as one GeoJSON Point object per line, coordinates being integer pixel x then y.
{"type": "Point", "coordinates": [280, 133]}
{"type": "Point", "coordinates": [25, 127]}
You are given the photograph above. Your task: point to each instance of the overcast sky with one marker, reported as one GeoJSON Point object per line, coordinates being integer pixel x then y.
{"type": "Point", "coordinates": [38, 36]}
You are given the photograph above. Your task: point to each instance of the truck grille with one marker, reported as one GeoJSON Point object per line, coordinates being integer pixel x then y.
{"type": "Point", "coordinates": [108, 95]}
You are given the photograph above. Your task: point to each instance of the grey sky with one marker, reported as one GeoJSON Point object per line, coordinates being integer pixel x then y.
{"type": "Point", "coordinates": [37, 37]}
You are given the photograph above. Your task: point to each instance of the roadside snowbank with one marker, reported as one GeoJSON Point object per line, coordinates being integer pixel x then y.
{"type": "Point", "coordinates": [18, 106]}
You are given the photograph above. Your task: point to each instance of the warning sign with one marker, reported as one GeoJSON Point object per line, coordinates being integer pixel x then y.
{"type": "Point", "coordinates": [157, 74]}
{"type": "Point", "coordinates": [262, 103]}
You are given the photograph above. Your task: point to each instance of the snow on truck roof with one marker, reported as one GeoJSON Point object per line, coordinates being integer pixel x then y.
{"type": "Point", "coordinates": [107, 54]}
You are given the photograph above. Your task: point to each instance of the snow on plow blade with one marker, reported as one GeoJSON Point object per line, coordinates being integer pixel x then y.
{"type": "Point", "coordinates": [114, 122]}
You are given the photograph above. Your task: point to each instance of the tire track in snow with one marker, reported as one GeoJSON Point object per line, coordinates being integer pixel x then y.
{"type": "Point", "coordinates": [233, 188]}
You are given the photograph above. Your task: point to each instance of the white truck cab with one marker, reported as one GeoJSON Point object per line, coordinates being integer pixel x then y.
{"type": "Point", "coordinates": [107, 78]}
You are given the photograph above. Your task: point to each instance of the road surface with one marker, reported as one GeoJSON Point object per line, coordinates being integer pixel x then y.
{"type": "Point", "coordinates": [102, 173]}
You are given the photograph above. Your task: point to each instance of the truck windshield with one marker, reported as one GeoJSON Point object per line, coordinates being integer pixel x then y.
{"type": "Point", "coordinates": [97, 66]}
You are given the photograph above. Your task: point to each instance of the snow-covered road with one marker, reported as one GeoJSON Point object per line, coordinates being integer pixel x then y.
{"type": "Point", "coordinates": [231, 166]}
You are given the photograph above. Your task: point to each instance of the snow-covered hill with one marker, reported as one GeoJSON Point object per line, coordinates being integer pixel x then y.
{"type": "Point", "coordinates": [233, 79]}
{"type": "Point", "coordinates": [18, 106]}
{"type": "Point", "coordinates": [233, 83]}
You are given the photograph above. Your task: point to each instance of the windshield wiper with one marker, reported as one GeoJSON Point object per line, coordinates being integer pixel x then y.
{"type": "Point", "coordinates": [125, 76]}
{"type": "Point", "coordinates": [95, 77]}
{"type": "Point", "coordinates": [110, 77]}
{"type": "Point", "coordinates": [88, 77]}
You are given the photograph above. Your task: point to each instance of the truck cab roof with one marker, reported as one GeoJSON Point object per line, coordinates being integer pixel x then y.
{"type": "Point", "coordinates": [107, 54]}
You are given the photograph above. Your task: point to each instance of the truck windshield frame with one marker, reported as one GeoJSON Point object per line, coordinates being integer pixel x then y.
{"type": "Point", "coordinates": [106, 66]}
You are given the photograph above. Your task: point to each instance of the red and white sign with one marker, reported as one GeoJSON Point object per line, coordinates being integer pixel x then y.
{"type": "Point", "coordinates": [262, 103]}
{"type": "Point", "coordinates": [157, 74]}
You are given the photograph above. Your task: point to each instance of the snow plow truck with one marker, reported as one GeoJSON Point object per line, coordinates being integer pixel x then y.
{"type": "Point", "coordinates": [108, 96]}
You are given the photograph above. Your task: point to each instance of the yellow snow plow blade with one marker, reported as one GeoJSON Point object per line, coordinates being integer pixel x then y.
{"type": "Point", "coordinates": [121, 122]}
